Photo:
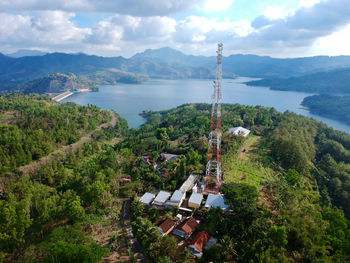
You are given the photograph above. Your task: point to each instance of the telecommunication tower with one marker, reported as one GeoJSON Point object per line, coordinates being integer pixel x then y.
{"type": "Point", "coordinates": [213, 176]}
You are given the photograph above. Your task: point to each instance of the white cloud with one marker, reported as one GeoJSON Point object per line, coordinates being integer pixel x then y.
{"type": "Point", "coordinates": [277, 12]}
{"type": "Point", "coordinates": [216, 5]}
{"type": "Point", "coordinates": [131, 7]}
{"type": "Point", "coordinates": [308, 3]}
{"type": "Point", "coordinates": [337, 43]}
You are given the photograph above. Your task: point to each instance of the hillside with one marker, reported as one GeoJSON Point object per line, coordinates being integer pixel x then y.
{"type": "Point", "coordinates": [163, 63]}
{"type": "Point", "coordinates": [288, 191]}
{"type": "Point", "coordinates": [328, 82]}
{"type": "Point", "coordinates": [335, 107]}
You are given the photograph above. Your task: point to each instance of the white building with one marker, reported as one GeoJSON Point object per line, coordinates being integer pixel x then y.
{"type": "Point", "coordinates": [176, 199]}
{"type": "Point", "coordinates": [147, 198]}
{"type": "Point", "coordinates": [161, 198]}
{"type": "Point", "coordinates": [239, 131]}
{"type": "Point", "coordinates": [215, 201]}
{"type": "Point", "coordinates": [195, 200]}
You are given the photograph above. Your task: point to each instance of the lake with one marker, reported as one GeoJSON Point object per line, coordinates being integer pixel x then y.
{"type": "Point", "coordinates": [131, 99]}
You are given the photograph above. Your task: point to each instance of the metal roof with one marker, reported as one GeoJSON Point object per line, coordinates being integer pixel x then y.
{"type": "Point", "coordinates": [147, 198]}
{"type": "Point", "coordinates": [162, 197]}
{"type": "Point", "coordinates": [196, 198]}
{"type": "Point", "coordinates": [189, 183]}
{"type": "Point", "coordinates": [239, 131]}
{"type": "Point", "coordinates": [177, 196]}
{"type": "Point", "coordinates": [216, 201]}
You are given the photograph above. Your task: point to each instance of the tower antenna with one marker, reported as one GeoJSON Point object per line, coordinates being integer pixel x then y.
{"type": "Point", "coordinates": [213, 174]}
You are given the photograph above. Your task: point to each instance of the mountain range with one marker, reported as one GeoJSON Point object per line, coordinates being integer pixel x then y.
{"type": "Point", "coordinates": [162, 63]}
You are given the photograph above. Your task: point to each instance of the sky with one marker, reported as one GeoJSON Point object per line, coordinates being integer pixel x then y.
{"type": "Point", "coordinates": [288, 28]}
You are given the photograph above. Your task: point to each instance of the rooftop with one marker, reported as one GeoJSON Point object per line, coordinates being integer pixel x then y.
{"type": "Point", "coordinates": [147, 198]}
{"type": "Point", "coordinates": [167, 225]}
{"type": "Point", "coordinates": [239, 131]}
{"type": "Point", "coordinates": [215, 201]}
{"type": "Point", "coordinates": [189, 183]}
{"type": "Point", "coordinates": [188, 226]}
{"type": "Point", "coordinates": [162, 197]}
{"type": "Point", "coordinates": [169, 157]}
{"type": "Point", "coordinates": [177, 196]}
{"type": "Point", "coordinates": [196, 198]}
{"type": "Point", "coordinates": [200, 240]}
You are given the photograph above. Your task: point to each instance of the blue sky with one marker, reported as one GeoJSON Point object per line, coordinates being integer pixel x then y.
{"type": "Point", "coordinates": [289, 28]}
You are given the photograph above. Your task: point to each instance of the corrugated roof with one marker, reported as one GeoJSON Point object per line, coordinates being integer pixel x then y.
{"type": "Point", "coordinates": [196, 198]}
{"type": "Point", "coordinates": [147, 198]}
{"type": "Point", "coordinates": [189, 183]}
{"type": "Point", "coordinates": [216, 201]}
{"type": "Point", "coordinates": [177, 196]}
{"type": "Point", "coordinates": [162, 197]}
{"type": "Point", "coordinates": [239, 131]}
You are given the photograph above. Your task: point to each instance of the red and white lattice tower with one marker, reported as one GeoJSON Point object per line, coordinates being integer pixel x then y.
{"type": "Point", "coordinates": [213, 176]}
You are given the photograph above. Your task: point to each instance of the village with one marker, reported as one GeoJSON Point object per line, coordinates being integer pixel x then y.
{"type": "Point", "coordinates": [187, 202]}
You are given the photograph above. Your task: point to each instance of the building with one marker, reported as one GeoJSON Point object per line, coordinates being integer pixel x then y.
{"type": "Point", "coordinates": [239, 131]}
{"type": "Point", "coordinates": [161, 198]}
{"type": "Point", "coordinates": [147, 198]}
{"type": "Point", "coordinates": [167, 157]}
{"type": "Point", "coordinates": [198, 243]}
{"type": "Point", "coordinates": [166, 227]}
{"type": "Point", "coordinates": [186, 228]}
{"type": "Point", "coordinates": [214, 200]}
{"type": "Point", "coordinates": [176, 199]}
{"type": "Point", "coordinates": [195, 200]}
{"type": "Point", "coordinates": [189, 183]}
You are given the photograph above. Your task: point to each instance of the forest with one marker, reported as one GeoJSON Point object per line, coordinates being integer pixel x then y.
{"type": "Point", "coordinates": [335, 107]}
{"type": "Point", "coordinates": [289, 196]}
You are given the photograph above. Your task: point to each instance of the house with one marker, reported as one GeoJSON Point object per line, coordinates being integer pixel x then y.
{"type": "Point", "coordinates": [239, 131]}
{"type": "Point", "coordinates": [186, 228]}
{"type": "Point", "coordinates": [167, 157]}
{"type": "Point", "coordinates": [195, 200]}
{"type": "Point", "coordinates": [147, 198]}
{"type": "Point", "coordinates": [189, 183]}
{"type": "Point", "coordinates": [167, 226]}
{"type": "Point", "coordinates": [176, 199]}
{"type": "Point", "coordinates": [161, 198]}
{"type": "Point", "coordinates": [216, 200]}
{"type": "Point", "coordinates": [198, 243]}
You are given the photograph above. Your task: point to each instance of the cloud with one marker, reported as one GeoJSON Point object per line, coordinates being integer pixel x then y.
{"type": "Point", "coordinates": [131, 7]}
{"type": "Point", "coordinates": [293, 33]}
{"type": "Point", "coordinates": [216, 5]}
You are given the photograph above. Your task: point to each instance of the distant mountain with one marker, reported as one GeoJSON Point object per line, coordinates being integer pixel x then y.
{"type": "Point", "coordinates": [162, 63]}
{"type": "Point", "coordinates": [26, 53]}
{"type": "Point", "coordinates": [329, 82]}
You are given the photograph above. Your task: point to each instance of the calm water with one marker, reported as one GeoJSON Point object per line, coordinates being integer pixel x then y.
{"type": "Point", "coordinates": [131, 99]}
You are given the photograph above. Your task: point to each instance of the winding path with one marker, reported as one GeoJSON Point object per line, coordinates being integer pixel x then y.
{"type": "Point", "coordinates": [36, 165]}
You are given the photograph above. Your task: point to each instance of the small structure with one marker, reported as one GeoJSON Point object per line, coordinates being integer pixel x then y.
{"type": "Point", "coordinates": [176, 199]}
{"type": "Point", "coordinates": [239, 131]}
{"type": "Point", "coordinates": [161, 198]}
{"type": "Point", "coordinates": [214, 200]}
{"type": "Point", "coordinates": [198, 243]}
{"type": "Point", "coordinates": [178, 217]}
{"type": "Point", "coordinates": [186, 228]}
{"type": "Point", "coordinates": [166, 227]}
{"type": "Point", "coordinates": [189, 183]}
{"type": "Point", "coordinates": [167, 157]}
{"type": "Point", "coordinates": [195, 200]}
{"type": "Point", "coordinates": [147, 198]}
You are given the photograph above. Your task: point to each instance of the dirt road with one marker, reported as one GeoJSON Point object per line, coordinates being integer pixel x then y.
{"type": "Point", "coordinates": [36, 165]}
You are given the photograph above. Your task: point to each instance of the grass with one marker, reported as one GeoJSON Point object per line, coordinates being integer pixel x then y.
{"type": "Point", "coordinates": [244, 166]}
